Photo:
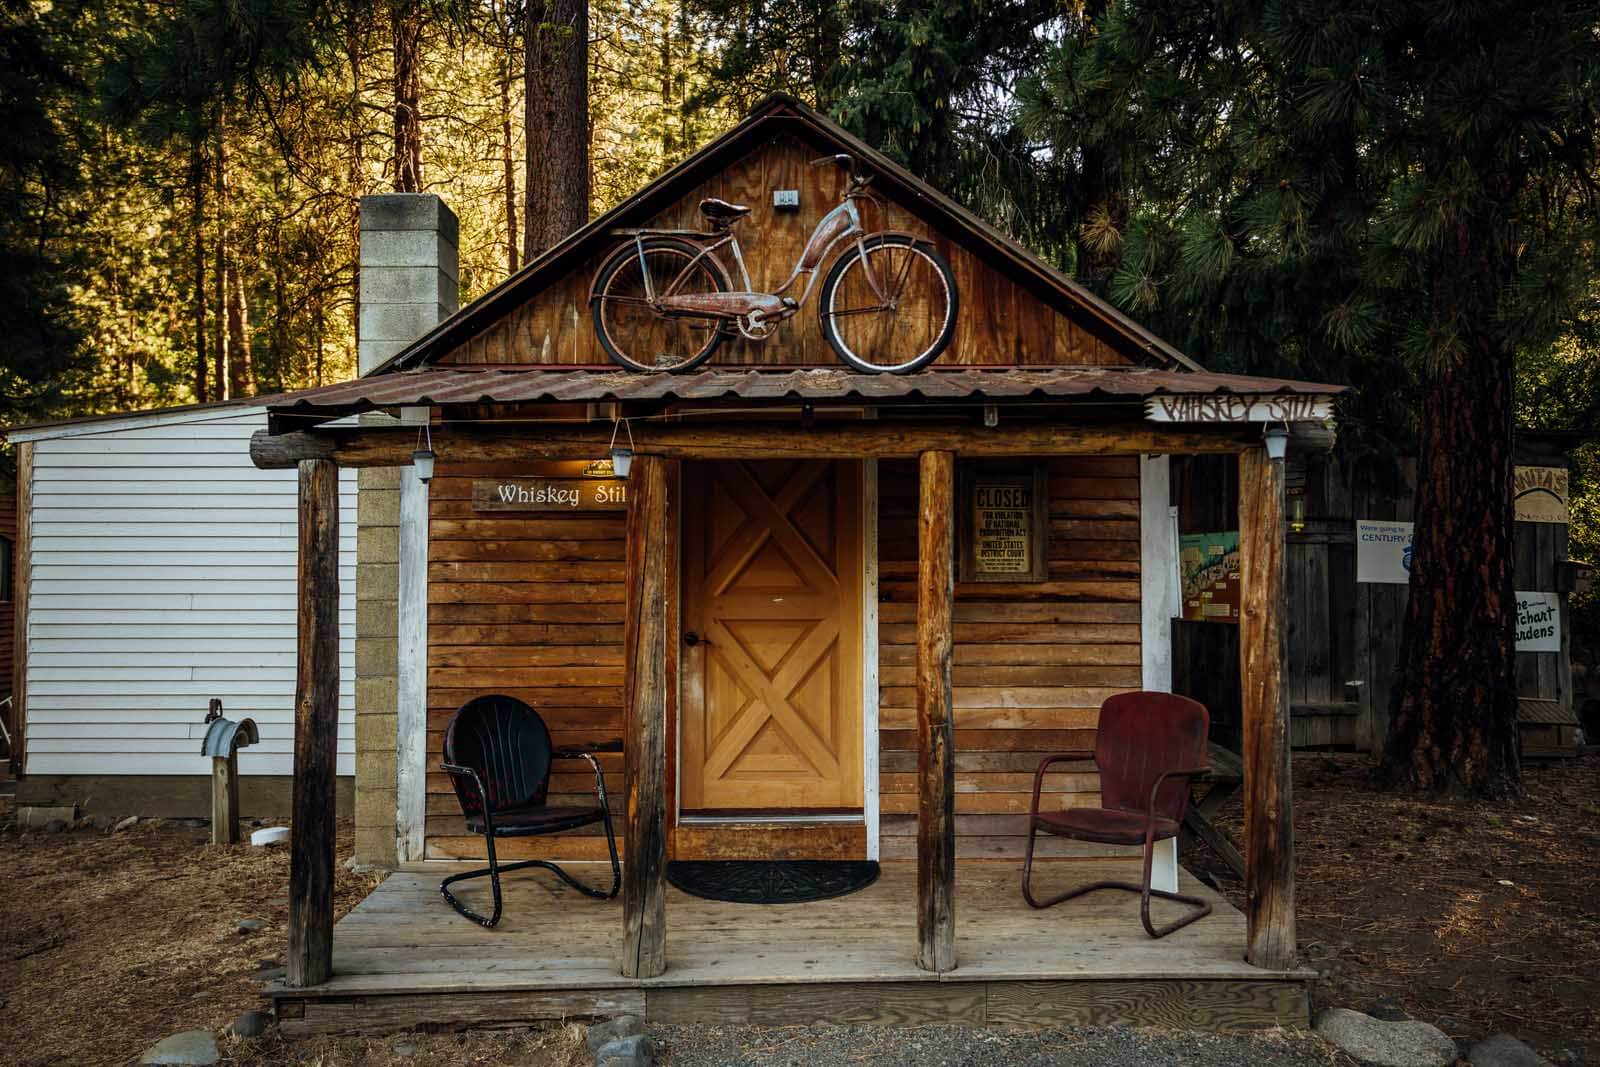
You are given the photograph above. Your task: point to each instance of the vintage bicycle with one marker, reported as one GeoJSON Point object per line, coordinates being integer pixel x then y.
{"type": "Point", "coordinates": [664, 300]}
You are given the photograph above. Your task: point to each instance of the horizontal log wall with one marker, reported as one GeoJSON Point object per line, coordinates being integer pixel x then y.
{"type": "Point", "coordinates": [528, 604]}
{"type": "Point", "coordinates": [531, 604]}
{"type": "Point", "coordinates": [1032, 661]}
{"type": "Point", "coordinates": [999, 322]}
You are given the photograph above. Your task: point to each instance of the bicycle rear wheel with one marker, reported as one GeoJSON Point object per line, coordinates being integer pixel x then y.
{"type": "Point", "coordinates": [632, 332]}
{"type": "Point", "coordinates": [890, 309]}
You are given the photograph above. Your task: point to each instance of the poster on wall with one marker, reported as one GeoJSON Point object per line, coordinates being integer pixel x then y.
{"type": "Point", "coordinates": [1540, 494]}
{"type": "Point", "coordinates": [1383, 551]}
{"type": "Point", "coordinates": [1209, 567]}
{"type": "Point", "coordinates": [1005, 523]}
{"type": "Point", "coordinates": [1538, 622]}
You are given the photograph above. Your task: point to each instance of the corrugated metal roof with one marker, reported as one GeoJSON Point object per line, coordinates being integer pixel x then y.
{"type": "Point", "coordinates": [446, 386]}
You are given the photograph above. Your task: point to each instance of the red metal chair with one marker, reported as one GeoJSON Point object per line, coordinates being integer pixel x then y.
{"type": "Point", "coordinates": [1146, 748]}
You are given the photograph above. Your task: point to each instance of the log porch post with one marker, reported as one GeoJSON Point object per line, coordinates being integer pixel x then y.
{"type": "Point", "coordinates": [1263, 642]}
{"type": "Point", "coordinates": [936, 842]}
{"type": "Point", "coordinates": [644, 910]}
{"type": "Point", "coordinates": [316, 728]}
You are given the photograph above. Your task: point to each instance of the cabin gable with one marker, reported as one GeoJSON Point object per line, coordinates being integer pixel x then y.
{"type": "Point", "coordinates": [1001, 322]}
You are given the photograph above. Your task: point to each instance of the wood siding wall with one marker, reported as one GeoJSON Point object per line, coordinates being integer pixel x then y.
{"type": "Point", "coordinates": [163, 574]}
{"type": "Point", "coordinates": [1032, 661]}
{"type": "Point", "coordinates": [999, 322]}
{"type": "Point", "coordinates": [530, 604]}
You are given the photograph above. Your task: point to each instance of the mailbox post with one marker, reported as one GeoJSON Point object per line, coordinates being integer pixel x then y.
{"type": "Point", "coordinates": [223, 741]}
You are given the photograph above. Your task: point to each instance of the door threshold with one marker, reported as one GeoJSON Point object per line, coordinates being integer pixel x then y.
{"type": "Point", "coordinates": [766, 820]}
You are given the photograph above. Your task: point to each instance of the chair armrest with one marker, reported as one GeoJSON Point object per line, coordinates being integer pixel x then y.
{"type": "Point", "coordinates": [477, 783]}
{"type": "Point", "coordinates": [594, 764]}
{"type": "Point", "coordinates": [1161, 779]}
{"type": "Point", "coordinates": [1044, 765]}
{"type": "Point", "coordinates": [579, 751]}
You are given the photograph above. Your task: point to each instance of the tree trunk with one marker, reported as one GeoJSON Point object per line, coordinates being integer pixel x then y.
{"type": "Point", "coordinates": [197, 220]}
{"type": "Point", "coordinates": [224, 360]}
{"type": "Point", "coordinates": [556, 84]}
{"type": "Point", "coordinates": [353, 40]}
{"type": "Point", "coordinates": [508, 167]}
{"type": "Point", "coordinates": [241, 367]}
{"type": "Point", "coordinates": [407, 97]}
{"type": "Point", "coordinates": [1453, 716]}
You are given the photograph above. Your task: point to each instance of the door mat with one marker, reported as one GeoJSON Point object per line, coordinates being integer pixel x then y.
{"type": "Point", "coordinates": [771, 881]}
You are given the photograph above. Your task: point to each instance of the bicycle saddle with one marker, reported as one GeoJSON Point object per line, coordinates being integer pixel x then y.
{"type": "Point", "coordinates": [719, 210]}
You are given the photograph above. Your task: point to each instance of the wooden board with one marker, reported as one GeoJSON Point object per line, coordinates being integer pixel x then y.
{"type": "Point", "coordinates": [999, 322]}
{"type": "Point", "coordinates": [403, 959]}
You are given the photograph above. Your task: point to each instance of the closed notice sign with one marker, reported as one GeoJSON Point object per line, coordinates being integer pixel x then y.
{"type": "Point", "coordinates": [1005, 525]}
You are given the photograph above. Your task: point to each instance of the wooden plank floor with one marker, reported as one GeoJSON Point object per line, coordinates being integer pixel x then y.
{"type": "Point", "coordinates": [403, 958]}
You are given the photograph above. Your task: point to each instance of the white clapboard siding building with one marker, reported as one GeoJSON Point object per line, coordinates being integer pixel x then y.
{"type": "Point", "coordinates": [161, 568]}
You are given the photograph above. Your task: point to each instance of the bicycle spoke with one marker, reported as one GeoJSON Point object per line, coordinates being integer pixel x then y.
{"type": "Point", "coordinates": [913, 323]}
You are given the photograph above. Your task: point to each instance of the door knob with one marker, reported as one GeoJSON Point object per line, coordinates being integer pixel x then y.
{"type": "Point", "coordinates": [691, 639]}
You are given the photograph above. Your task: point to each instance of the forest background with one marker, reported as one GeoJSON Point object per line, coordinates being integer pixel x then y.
{"type": "Point", "coordinates": [1402, 197]}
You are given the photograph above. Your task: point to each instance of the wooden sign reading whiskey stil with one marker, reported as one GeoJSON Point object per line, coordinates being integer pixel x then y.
{"type": "Point", "coordinates": [549, 494]}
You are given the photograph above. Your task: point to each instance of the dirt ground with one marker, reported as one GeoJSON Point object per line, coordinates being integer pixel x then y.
{"type": "Point", "coordinates": [1478, 917]}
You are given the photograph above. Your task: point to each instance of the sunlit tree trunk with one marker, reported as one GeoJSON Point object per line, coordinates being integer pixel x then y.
{"type": "Point", "coordinates": [357, 177]}
{"type": "Point", "coordinates": [223, 362]}
{"type": "Point", "coordinates": [503, 18]}
{"type": "Point", "coordinates": [197, 221]}
{"type": "Point", "coordinates": [241, 365]}
{"type": "Point", "coordinates": [556, 83]}
{"type": "Point", "coordinates": [407, 17]}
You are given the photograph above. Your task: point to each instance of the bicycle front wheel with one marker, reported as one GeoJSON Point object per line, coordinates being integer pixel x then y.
{"type": "Point", "coordinates": [889, 305]}
{"type": "Point", "coordinates": [632, 332]}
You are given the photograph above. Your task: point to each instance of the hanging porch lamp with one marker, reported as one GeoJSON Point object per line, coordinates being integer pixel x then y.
{"type": "Point", "coordinates": [621, 458]}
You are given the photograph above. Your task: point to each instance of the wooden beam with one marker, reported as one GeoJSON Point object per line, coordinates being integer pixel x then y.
{"type": "Point", "coordinates": [225, 798]}
{"type": "Point", "coordinates": [1263, 644]}
{"type": "Point", "coordinates": [936, 786]}
{"type": "Point", "coordinates": [316, 729]}
{"type": "Point", "coordinates": [20, 583]}
{"type": "Point", "coordinates": [366, 446]}
{"type": "Point", "coordinates": [644, 907]}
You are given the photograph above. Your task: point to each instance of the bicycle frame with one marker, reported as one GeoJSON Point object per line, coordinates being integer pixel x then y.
{"type": "Point", "coordinates": [841, 224]}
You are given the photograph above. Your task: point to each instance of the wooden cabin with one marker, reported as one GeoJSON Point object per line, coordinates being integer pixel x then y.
{"type": "Point", "coordinates": [788, 616]}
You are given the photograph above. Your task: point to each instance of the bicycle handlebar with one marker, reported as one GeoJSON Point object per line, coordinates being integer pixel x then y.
{"type": "Point", "coordinates": [843, 159]}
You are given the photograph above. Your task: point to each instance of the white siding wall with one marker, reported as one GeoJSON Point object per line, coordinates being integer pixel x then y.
{"type": "Point", "coordinates": [163, 576]}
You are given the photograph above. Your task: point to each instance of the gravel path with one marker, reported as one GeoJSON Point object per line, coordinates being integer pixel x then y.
{"type": "Point", "coordinates": [954, 1046]}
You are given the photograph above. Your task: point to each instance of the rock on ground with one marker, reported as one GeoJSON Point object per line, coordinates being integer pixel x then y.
{"type": "Point", "coordinates": [635, 1051]}
{"type": "Point", "coordinates": [608, 1030]}
{"type": "Point", "coordinates": [192, 1048]}
{"type": "Point", "coordinates": [1503, 1050]}
{"type": "Point", "coordinates": [125, 824]}
{"type": "Point", "coordinates": [251, 1024]}
{"type": "Point", "coordinates": [1385, 1043]}
{"type": "Point", "coordinates": [250, 926]}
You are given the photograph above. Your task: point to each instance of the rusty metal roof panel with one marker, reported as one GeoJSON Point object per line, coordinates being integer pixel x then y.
{"type": "Point", "coordinates": [453, 386]}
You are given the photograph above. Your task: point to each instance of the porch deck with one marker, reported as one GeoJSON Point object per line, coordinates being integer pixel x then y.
{"type": "Point", "coordinates": [403, 959]}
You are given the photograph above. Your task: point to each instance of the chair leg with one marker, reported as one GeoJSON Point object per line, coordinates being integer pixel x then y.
{"type": "Point", "coordinates": [1199, 908]}
{"type": "Point", "coordinates": [496, 869]}
{"type": "Point", "coordinates": [493, 871]}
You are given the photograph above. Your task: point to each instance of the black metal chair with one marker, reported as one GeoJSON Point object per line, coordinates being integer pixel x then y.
{"type": "Point", "coordinates": [498, 754]}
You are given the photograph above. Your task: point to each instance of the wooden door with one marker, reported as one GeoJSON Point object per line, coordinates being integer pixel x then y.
{"type": "Point", "coordinates": [771, 720]}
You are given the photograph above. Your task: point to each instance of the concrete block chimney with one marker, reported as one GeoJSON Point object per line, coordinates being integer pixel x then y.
{"type": "Point", "coordinates": [409, 271]}
{"type": "Point", "coordinates": [409, 284]}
